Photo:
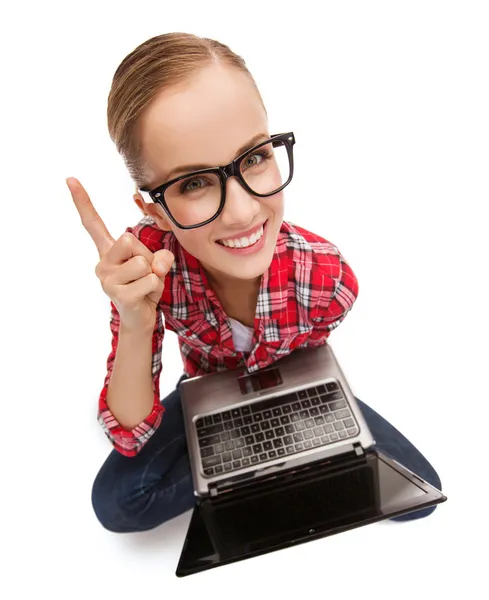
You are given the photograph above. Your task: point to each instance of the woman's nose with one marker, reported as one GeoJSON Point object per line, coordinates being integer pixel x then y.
{"type": "Point", "coordinates": [241, 206]}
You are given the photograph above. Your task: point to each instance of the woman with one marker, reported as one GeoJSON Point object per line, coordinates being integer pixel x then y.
{"type": "Point", "coordinates": [212, 256]}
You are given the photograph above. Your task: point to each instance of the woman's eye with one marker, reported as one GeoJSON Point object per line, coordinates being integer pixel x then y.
{"type": "Point", "coordinates": [249, 162]}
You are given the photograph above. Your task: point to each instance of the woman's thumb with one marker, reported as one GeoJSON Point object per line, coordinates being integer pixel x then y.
{"type": "Point", "coordinates": [162, 262]}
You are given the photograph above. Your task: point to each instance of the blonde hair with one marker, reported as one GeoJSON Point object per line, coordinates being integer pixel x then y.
{"type": "Point", "coordinates": [155, 65]}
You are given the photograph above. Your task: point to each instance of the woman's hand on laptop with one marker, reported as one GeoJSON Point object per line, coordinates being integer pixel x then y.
{"type": "Point", "coordinates": [131, 275]}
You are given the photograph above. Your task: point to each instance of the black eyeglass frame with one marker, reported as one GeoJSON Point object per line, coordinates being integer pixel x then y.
{"type": "Point", "coordinates": [224, 172]}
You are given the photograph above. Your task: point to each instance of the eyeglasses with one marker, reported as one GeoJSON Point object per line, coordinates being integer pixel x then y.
{"type": "Point", "coordinates": [197, 198]}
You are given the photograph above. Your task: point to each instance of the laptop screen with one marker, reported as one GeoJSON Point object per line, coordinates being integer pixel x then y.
{"type": "Point", "coordinates": [303, 509]}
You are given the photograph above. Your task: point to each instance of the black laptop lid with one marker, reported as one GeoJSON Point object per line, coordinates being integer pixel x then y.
{"type": "Point", "coordinates": [319, 500]}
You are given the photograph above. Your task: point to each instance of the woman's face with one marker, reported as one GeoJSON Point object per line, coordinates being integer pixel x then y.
{"type": "Point", "coordinates": [208, 121]}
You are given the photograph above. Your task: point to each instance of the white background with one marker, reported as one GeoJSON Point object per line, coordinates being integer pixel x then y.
{"type": "Point", "coordinates": [389, 104]}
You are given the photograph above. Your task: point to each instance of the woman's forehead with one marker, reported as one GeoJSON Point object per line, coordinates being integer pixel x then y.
{"type": "Point", "coordinates": [205, 121]}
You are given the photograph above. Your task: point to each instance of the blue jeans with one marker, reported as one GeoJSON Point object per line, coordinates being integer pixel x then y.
{"type": "Point", "coordinates": [141, 492]}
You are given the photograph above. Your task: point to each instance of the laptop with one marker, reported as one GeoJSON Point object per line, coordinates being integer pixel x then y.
{"type": "Point", "coordinates": [282, 456]}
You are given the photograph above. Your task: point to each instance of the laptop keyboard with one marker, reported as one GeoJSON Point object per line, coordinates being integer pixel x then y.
{"type": "Point", "coordinates": [256, 433]}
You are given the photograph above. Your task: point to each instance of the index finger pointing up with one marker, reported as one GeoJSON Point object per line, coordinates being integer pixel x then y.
{"type": "Point", "coordinates": [89, 217]}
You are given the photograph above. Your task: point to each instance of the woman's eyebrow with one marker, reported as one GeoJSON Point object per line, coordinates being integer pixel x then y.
{"type": "Point", "coordinates": [196, 167]}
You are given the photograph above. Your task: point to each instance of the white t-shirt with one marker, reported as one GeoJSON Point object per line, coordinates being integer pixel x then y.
{"type": "Point", "coordinates": [242, 335]}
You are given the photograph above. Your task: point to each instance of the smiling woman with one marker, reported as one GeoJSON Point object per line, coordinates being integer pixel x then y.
{"type": "Point", "coordinates": [212, 259]}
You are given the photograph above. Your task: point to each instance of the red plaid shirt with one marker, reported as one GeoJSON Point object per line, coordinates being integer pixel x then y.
{"type": "Point", "coordinates": [305, 294]}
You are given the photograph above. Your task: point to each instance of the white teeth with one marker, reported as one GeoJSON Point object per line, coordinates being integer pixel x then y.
{"type": "Point", "coordinates": [244, 242]}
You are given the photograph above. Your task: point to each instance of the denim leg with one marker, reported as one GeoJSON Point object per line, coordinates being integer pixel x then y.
{"type": "Point", "coordinates": [390, 441]}
{"type": "Point", "coordinates": [141, 492]}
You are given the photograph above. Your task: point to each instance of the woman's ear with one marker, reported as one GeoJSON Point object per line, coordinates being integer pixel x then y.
{"type": "Point", "coordinates": [153, 210]}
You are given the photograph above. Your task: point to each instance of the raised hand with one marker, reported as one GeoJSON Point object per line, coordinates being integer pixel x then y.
{"type": "Point", "coordinates": [131, 275]}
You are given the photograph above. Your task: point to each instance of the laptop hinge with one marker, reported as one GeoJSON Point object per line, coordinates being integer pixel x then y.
{"type": "Point", "coordinates": [227, 485]}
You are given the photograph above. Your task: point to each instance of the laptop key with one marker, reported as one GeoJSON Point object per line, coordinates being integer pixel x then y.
{"type": "Point", "coordinates": [307, 444]}
{"type": "Point", "coordinates": [267, 446]}
{"type": "Point", "coordinates": [235, 413]}
{"type": "Point", "coordinates": [217, 418]}
{"type": "Point", "coordinates": [274, 422]}
{"type": "Point", "coordinates": [289, 429]}
{"type": "Point", "coordinates": [238, 422]}
{"type": "Point", "coordinates": [263, 456]}
{"type": "Point", "coordinates": [308, 434]}
{"type": "Point", "coordinates": [298, 437]}
{"type": "Point", "coordinates": [321, 389]}
{"type": "Point", "coordinates": [209, 441]}
{"type": "Point", "coordinates": [288, 440]}
{"type": "Point", "coordinates": [319, 420]}
{"type": "Point", "coordinates": [245, 462]}
{"type": "Point", "coordinates": [296, 406]}
{"type": "Point", "coordinates": [267, 414]}
{"type": "Point", "coordinates": [211, 461]}
{"type": "Point", "coordinates": [237, 454]}
{"type": "Point", "coordinates": [309, 423]}
{"type": "Point", "coordinates": [228, 425]}
{"type": "Point", "coordinates": [277, 412]}
{"type": "Point", "coordinates": [208, 472]}
{"type": "Point", "coordinates": [338, 425]}
{"type": "Point", "coordinates": [325, 439]}
{"type": "Point", "coordinates": [219, 469]}
{"type": "Point", "coordinates": [272, 454]}
{"type": "Point", "coordinates": [254, 459]}
{"type": "Point", "coordinates": [259, 437]}
{"type": "Point", "coordinates": [245, 430]}
{"type": "Point", "coordinates": [248, 420]}
{"type": "Point", "coordinates": [208, 421]}
{"type": "Point", "coordinates": [342, 414]}
{"type": "Point", "coordinates": [332, 385]}
{"type": "Point", "coordinates": [286, 409]}
{"type": "Point", "coordinates": [294, 418]}
{"type": "Point", "coordinates": [205, 431]}
{"type": "Point", "coordinates": [257, 417]}
{"type": "Point", "coordinates": [249, 439]}
{"type": "Point", "coordinates": [306, 404]}
{"type": "Point", "coordinates": [209, 451]}
{"type": "Point", "coordinates": [329, 418]}
{"type": "Point", "coordinates": [265, 425]}
{"type": "Point", "coordinates": [235, 434]}
{"type": "Point", "coordinates": [236, 464]}
{"type": "Point", "coordinates": [239, 443]}
{"type": "Point", "coordinates": [229, 445]}
{"type": "Point", "coordinates": [299, 447]}
{"type": "Point", "coordinates": [226, 457]}
{"type": "Point", "coordinates": [284, 420]}
{"type": "Point", "coordinates": [316, 442]}
{"type": "Point", "coordinates": [199, 423]}
{"type": "Point", "coordinates": [349, 422]}
{"type": "Point", "coordinates": [226, 415]}
{"type": "Point", "coordinates": [323, 409]}
{"type": "Point", "coordinates": [247, 451]}
{"type": "Point", "coordinates": [225, 436]}
{"type": "Point", "coordinates": [257, 448]}
{"type": "Point", "coordinates": [334, 437]}
{"type": "Point", "coordinates": [328, 429]}
{"type": "Point", "coordinates": [255, 428]}
{"type": "Point", "coordinates": [277, 443]}
{"type": "Point", "coordinates": [315, 401]}
{"type": "Point", "coordinates": [302, 394]}
{"type": "Point", "coordinates": [342, 434]}
{"type": "Point", "coordinates": [304, 414]}
{"type": "Point", "coordinates": [219, 448]}
{"type": "Point", "coordinates": [269, 434]}
{"type": "Point", "coordinates": [314, 412]}
{"type": "Point", "coordinates": [337, 405]}
{"type": "Point", "coordinates": [227, 467]}
{"type": "Point", "coordinates": [318, 431]}
{"type": "Point", "coordinates": [281, 451]}
{"type": "Point", "coordinates": [245, 410]}
{"type": "Point", "coordinates": [352, 431]}
{"type": "Point", "coordinates": [299, 426]}
{"type": "Point", "coordinates": [289, 449]}
{"type": "Point", "coordinates": [280, 431]}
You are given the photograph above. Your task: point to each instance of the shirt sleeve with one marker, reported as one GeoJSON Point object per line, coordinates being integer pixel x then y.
{"type": "Point", "coordinates": [129, 442]}
{"type": "Point", "coordinates": [337, 298]}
